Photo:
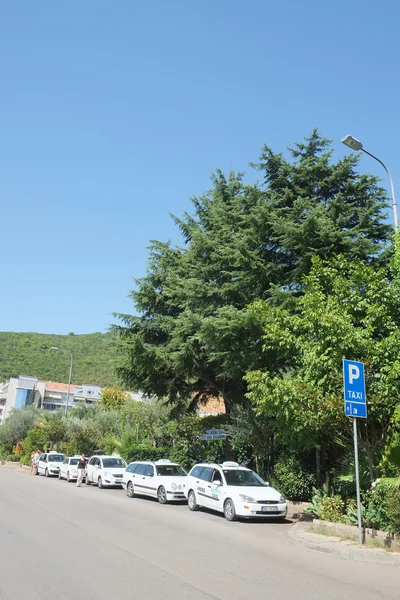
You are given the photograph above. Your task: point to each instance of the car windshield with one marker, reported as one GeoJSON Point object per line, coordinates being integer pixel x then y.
{"type": "Point", "coordinates": [171, 471]}
{"type": "Point", "coordinates": [55, 457]}
{"type": "Point", "coordinates": [242, 477]}
{"type": "Point", "coordinates": [73, 461]}
{"type": "Point", "coordinates": [109, 463]}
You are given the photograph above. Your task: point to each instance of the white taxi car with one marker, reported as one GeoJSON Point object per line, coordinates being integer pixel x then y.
{"type": "Point", "coordinates": [233, 490]}
{"type": "Point", "coordinates": [68, 468]}
{"type": "Point", "coordinates": [161, 479]}
{"type": "Point", "coordinates": [49, 463]}
{"type": "Point", "coordinates": [105, 471]}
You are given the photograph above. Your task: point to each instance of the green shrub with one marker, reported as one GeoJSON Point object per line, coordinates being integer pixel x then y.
{"type": "Point", "coordinates": [326, 507]}
{"type": "Point", "coordinates": [293, 480]}
{"type": "Point", "coordinates": [332, 509]}
{"type": "Point", "coordinates": [376, 507]}
{"type": "Point", "coordinates": [351, 516]}
{"type": "Point", "coordinates": [143, 452]}
{"type": "Point", "coordinates": [12, 458]}
{"type": "Point", "coordinates": [393, 510]}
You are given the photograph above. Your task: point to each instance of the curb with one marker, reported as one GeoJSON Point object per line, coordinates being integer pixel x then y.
{"type": "Point", "coordinates": [333, 547]}
{"type": "Point", "coordinates": [17, 465]}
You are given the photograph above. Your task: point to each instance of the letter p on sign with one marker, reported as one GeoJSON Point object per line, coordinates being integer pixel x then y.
{"type": "Point", "coordinates": [354, 373]}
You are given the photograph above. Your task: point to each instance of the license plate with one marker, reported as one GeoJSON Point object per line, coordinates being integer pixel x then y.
{"type": "Point", "coordinates": [268, 509]}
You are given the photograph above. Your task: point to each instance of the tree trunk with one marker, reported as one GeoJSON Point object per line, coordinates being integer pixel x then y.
{"type": "Point", "coordinates": [229, 453]}
{"type": "Point", "coordinates": [318, 464]}
{"type": "Point", "coordinates": [370, 463]}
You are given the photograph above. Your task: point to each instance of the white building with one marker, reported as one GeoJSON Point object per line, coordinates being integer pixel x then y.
{"type": "Point", "coordinates": [55, 396]}
{"type": "Point", "coordinates": [49, 395]}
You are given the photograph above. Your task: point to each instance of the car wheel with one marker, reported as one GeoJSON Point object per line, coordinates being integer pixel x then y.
{"type": "Point", "coordinates": [46, 473]}
{"type": "Point", "coordinates": [68, 477]}
{"type": "Point", "coordinates": [87, 482]}
{"type": "Point", "coordinates": [229, 510]}
{"type": "Point", "coordinates": [100, 483]}
{"type": "Point", "coordinates": [162, 495]}
{"type": "Point", "coordinates": [130, 490]}
{"type": "Point", "coordinates": [192, 503]}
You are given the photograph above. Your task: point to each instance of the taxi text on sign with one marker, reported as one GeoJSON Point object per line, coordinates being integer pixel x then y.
{"type": "Point", "coordinates": [355, 399]}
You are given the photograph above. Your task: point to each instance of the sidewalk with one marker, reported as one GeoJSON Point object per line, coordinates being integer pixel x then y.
{"type": "Point", "coordinates": [299, 536]}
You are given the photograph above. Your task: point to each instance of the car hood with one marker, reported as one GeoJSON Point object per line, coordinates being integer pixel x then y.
{"type": "Point", "coordinates": [114, 470]}
{"type": "Point", "coordinates": [178, 480]}
{"type": "Point", "coordinates": [258, 493]}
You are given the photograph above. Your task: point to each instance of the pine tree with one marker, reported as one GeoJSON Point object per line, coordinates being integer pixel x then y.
{"type": "Point", "coordinates": [194, 335]}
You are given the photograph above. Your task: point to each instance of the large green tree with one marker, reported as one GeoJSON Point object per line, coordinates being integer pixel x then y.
{"type": "Point", "coordinates": [348, 310]}
{"type": "Point", "coordinates": [194, 335]}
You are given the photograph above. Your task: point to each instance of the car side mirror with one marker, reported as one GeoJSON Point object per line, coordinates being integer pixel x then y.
{"type": "Point", "coordinates": [217, 483]}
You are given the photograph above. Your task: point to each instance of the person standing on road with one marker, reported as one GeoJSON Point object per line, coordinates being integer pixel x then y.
{"type": "Point", "coordinates": [81, 467]}
{"type": "Point", "coordinates": [34, 459]}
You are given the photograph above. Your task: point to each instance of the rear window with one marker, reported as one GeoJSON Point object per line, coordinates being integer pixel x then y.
{"type": "Point", "coordinates": [170, 471]}
{"type": "Point", "coordinates": [111, 463]}
{"type": "Point", "coordinates": [55, 457]}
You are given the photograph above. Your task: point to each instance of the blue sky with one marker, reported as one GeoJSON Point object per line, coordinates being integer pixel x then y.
{"type": "Point", "coordinates": [114, 114]}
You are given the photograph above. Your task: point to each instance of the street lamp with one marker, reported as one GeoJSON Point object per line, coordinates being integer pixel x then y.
{"type": "Point", "coordinates": [355, 144]}
{"type": "Point", "coordinates": [70, 372]}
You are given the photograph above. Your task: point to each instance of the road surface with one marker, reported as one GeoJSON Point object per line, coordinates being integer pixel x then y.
{"type": "Point", "coordinates": [61, 542]}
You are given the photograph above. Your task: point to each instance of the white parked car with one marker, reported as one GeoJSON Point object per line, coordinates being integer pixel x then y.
{"type": "Point", "coordinates": [233, 490]}
{"type": "Point", "coordinates": [49, 464]}
{"type": "Point", "coordinates": [68, 468]}
{"type": "Point", "coordinates": [161, 479]}
{"type": "Point", "coordinates": [105, 471]}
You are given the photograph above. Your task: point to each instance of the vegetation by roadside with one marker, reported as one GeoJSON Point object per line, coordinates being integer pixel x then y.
{"type": "Point", "coordinates": [373, 539]}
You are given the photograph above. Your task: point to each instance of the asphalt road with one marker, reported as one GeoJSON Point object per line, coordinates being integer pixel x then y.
{"type": "Point", "coordinates": [61, 542]}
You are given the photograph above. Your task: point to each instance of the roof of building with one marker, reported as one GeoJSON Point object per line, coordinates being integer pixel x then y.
{"type": "Point", "coordinates": [55, 386]}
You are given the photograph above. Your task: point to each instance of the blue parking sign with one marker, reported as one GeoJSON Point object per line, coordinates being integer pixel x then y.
{"type": "Point", "coordinates": [355, 398]}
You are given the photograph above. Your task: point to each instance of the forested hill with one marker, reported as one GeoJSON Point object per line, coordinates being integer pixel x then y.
{"type": "Point", "coordinates": [94, 356]}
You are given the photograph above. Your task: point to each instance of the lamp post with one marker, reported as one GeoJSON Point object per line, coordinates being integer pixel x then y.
{"type": "Point", "coordinates": [70, 372]}
{"type": "Point", "coordinates": [355, 144]}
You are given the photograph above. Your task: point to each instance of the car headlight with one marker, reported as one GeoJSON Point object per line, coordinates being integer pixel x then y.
{"type": "Point", "coordinates": [282, 499]}
{"type": "Point", "coordinates": [247, 498]}
{"type": "Point", "coordinates": [174, 486]}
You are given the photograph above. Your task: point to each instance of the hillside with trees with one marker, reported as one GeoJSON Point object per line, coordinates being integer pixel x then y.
{"type": "Point", "coordinates": [94, 356]}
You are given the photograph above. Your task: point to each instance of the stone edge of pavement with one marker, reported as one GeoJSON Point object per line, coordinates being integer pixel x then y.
{"type": "Point", "coordinates": [333, 545]}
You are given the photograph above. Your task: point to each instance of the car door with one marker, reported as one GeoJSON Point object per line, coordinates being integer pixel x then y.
{"type": "Point", "coordinates": [42, 464]}
{"type": "Point", "coordinates": [97, 470]}
{"type": "Point", "coordinates": [216, 492]}
{"type": "Point", "coordinates": [64, 468]}
{"type": "Point", "coordinates": [129, 474]}
{"type": "Point", "coordinates": [203, 487]}
{"type": "Point", "coordinates": [150, 480]}
{"type": "Point", "coordinates": [91, 468]}
{"type": "Point", "coordinates": [142, 479]}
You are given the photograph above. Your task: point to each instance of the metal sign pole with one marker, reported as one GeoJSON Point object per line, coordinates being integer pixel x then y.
{"type": "Point", "coordinates": [357, 481]}
{"type": "Point", "coordinates": [355, 406]}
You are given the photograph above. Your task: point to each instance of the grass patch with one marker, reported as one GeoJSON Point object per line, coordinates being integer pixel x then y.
{"type": "Point", "coordinates": [371, 542]}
